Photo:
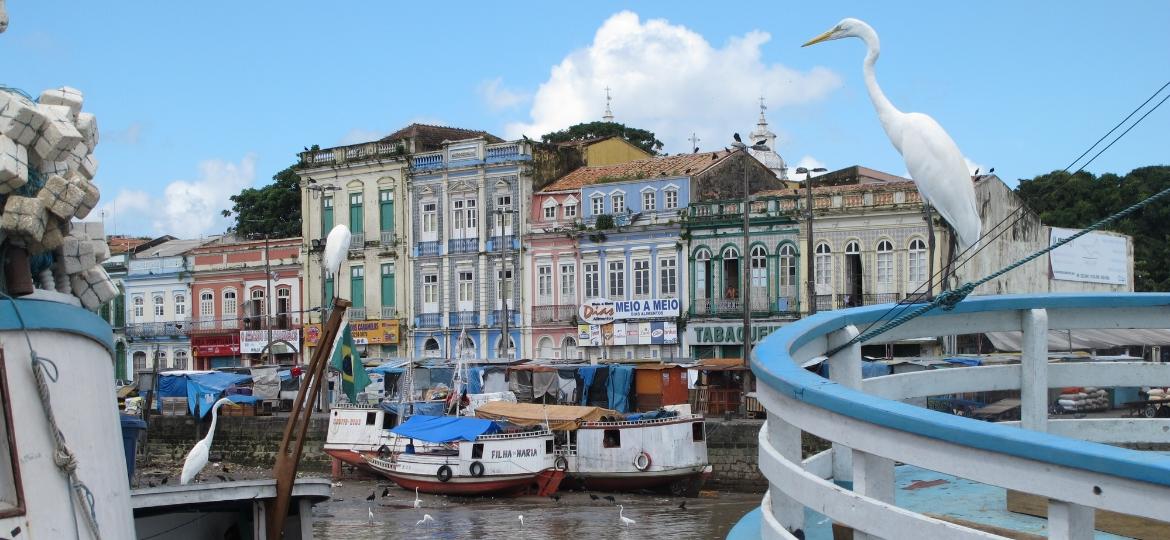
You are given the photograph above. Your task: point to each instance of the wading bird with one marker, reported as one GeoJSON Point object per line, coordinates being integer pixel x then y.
{"type": "Point", "coordinates": [336, 247]}
{"type": "Point", "coordinates": [370, 511]}
{"type": "Point", "coordinates": [521, 518]}
{"type": "Point", "coordinates": [417, 501]}
{"type": "Point", "coordinates": [933, 159]}
{"type": "Point", "coordinates": [197, 457]}
{"type": "Point", "coordinates": [625, 520]}
{"type": "Point", "coordinates": [426, 519]}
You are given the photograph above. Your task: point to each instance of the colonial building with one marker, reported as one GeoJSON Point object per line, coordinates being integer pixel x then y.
{"type": "Point", "coordinates": [364, 187]}
{"type": "Point", "coordinates": [158, 307]}
{"type": "Point", "coordinates": [467, 201]}
{"type": "Point", "coordinates": [242, 291]}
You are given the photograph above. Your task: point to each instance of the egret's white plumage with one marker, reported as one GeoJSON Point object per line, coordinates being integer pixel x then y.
{"type": "Point", "coordinates": [336, 247]}
{"type": "Point", "coordinates": [417, 501]}
{"type": "Point", "coordinates": [197, 457]}
{"type": "Point", "coordinates": [521, 517]}
{"type": "Point", "coordinates": [426, 518]}
{"type": "Point", "coordinates": [625, 520]}
{"type": "Point", "coordinates": [932, 158]}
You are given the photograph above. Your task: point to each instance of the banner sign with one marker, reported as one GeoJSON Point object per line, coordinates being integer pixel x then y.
{"type": "Point", "coordinates": [374, 332]}
{"type": "Point", "coordinates": [728, 333]}
{"type": "Point", "coordinates": [602, 311]}
{"type": "Point", "coordinates": [643, 333]}
{"type": "Point", "coordinates": [1092, 258]}
{"type": "Point", "coordinates": [254, 341]}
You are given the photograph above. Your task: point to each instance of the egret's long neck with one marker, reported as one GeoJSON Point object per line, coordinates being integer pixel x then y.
{"type": "Point", "coordinates": [214, 419]}
{"type": "Point", "coordinates": [886, 110]}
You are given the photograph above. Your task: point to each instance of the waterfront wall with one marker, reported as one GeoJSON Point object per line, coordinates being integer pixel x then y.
{"type": "Point", "coordinates": [241, 440]}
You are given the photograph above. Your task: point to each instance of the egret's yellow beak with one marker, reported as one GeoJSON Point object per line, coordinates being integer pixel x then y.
{"type": "Point", "coordinates": [818, 39]}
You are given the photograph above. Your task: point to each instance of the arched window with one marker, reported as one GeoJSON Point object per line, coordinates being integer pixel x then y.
{"type": "Point", "coordinates": [180, 304]}
{"type": "Point", "coordinates": [431, 347]}
{"type": "Point", "coordinates": [787, 270]}
{"type": "Point", "coordinates": [139, 304]}
{"type": "Point", "coordinates": [161, 357]}
{"type": "Point", "coordinates": [730, 252]}
{"type": "Point", "coordinates": [160, 307]}
{"type": "Point", "coordinates": [703, 273]}
{"type": "Point", "coordinates": [140, 362]}
{"type": "Point", "coordinates": [885, 262]}
{"type": "Point", "coordinates": [759, 268]}
{"type": "Point", "coordinates": [823, 266]}
{"type": "Point", "coordinates": [853, 248]}
{"type": "Point", "coordinates": [544, 349]}
{"type": "Point", "coordinates": [916, 263]}
{"type": "Point", "coordinates": [180, 359]}
{"type": "Point", "coordinates": [206, 305]}
{"type": "Point", "coordinates": [568, 347]}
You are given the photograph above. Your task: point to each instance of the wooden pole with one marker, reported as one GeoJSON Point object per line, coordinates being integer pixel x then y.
{"type": "Point", "coordinates": [288, 455]}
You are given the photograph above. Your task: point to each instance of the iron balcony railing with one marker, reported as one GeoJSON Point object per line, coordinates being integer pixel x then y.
{"type": "Point", "coordinates": [496, 317]}
{"type": "Point", "coordinates": [554, 314]}
{"type": "Point", "coordinates": [429, 249]}
{"type": "Point", "coordinates": [389, 239]}
{"type": "Point", "coordinates": [357, 241]}
{"type": "Point", "coordinates": [389, 312]}
{"type": "Point", "coordinates": [356, 313]}
{"type": "Point", "coordinates": [429, 320]}
{"type": "Point", "coordinates": [463, 245]}
{"type": "Point", "coordinates": [457, 319]}
{"type": "Point", "coordinates": [733, 307]}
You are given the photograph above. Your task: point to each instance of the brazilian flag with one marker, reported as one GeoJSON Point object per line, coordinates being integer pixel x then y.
{"type": "Point", "coordinates": [346, 359]}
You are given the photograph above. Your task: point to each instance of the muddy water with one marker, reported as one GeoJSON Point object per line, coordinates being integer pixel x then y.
{"type": "Point", "coordinates": [575, 517]}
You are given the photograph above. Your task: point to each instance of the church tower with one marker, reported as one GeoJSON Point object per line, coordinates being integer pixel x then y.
{"type": "Point", "coordinates": [770, 158]}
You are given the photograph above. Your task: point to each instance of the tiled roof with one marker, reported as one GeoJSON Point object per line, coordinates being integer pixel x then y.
{"type": "Point", "coordinates": [428, 137]}
{"type": "Point", "coordinates": [679, 165]}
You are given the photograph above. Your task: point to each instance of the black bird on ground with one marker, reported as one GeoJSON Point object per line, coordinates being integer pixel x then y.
{"type": "Point", "coordinates": [736, 137]}
{"type": "Point", "coordinates": [594, 497]}
{"type": "Point", "coordinates": [555, 497]}
{"type": "Point", "coordinates": [682, 505]}
{"type": "Point", "coordinates": [609, 498]}
{"type": "Point", "coordinates": [221, 477]}
{"type": "Point", "coordinates": [385, 492]}
{"type": "Point", "coordinates": [164, 480]}
{"type": "Point", "coordinates": [371, 497]}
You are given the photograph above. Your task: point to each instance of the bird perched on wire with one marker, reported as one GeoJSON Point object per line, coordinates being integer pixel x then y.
{"type": "Point", "coordinates": [197, 457]}
{"type": "Point", "coordinates": [933, 159]}
{"type": "Point", "coordinates": [336, 247]}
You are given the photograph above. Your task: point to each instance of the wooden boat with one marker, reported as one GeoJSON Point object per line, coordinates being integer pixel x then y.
{"type": "Point", "coordinates": [608, 451]}
{"type": "Point", "coordinates": [475, 457]}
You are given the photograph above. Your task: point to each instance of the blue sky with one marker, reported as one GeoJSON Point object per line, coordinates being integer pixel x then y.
{"type": "Point", "coordinates": [196, 100]}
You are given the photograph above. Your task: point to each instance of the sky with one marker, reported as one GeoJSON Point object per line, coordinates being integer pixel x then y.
{"type": "Point", "coordinates": [199, 100]}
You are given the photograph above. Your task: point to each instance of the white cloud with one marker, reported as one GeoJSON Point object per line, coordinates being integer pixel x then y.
{"type": "Point", "coordinates": [670, 80]}
{"type": "Point", "coordinates": [497, 97]}
{"type": "Point", "coordinates": [192, 208]}
{"type": "Point", "coordinates": [359, 135]}
{"type": "Point", "coordinates": [809, 163]}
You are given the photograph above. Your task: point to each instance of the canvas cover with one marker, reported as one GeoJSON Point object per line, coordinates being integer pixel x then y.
{"type": "Point", "coordinates": [266, 382]}
{"type": "Point", "coordinates": [441, 429]}
{"type": "Point", "coordinates": [559, 417]}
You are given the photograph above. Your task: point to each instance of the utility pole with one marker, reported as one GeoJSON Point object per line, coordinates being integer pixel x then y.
{"type": "Point", "coordinates": [505, 338]}
{"type": "Point", "coordinates": [810, 255]}
{"type": "Point", "coordinates": [745, 256]}
{"type": "Point", "coordinates": [268, 298]}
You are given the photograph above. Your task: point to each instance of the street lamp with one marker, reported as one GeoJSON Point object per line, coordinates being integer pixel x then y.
{"type": "Point", "coordinates": [319, 191]}
{"type": "Point", "coordinates": [267, 298]}
{"type": "Point", "coordinates": [746, 284]}
{"type": "Point", "coordinates": [809, 255]}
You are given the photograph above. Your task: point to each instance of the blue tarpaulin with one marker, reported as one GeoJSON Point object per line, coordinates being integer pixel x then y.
{"type": "Point", "coordinates": [441, 429]}
{"type": "Point", "coordinates": [172, 386]}
{"type": "Point", "coordinates": [587, 373]}
{"type": "Point", "coordinates": [386, 369]}
{"type": "Point", "coordinates": [970, 362]}
{"type": "Point", "coordinates": [475, 381]}
{"type": "Point", "coordinates": [618, 387]}
{"type": "Point", "coordinates": [431, 408]}
{"type": "Point", "coordinates": [204, 388]}
{"type": "Point", "coordinates": [241, 398]}
{"type": "Point", "coordinates": [868, 369]}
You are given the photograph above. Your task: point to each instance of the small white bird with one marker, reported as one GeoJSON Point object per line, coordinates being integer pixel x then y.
{"type": "Point", "coordinates": [426, 519]}
{"type": "Point", "coordinates": [417, 501]}
{"type": "Point", "coordinates": [521, 518]}
{"type": "Point", "coordinates": [336, 246]}
{"type": "Point", "coordinates": [625, 520]}
{"type": "Point", "coordinates": [933, 159]}
{"type": "Point", "coordinates": [197, 457]}
{"type": "Point", "coordinates": [371, 512]}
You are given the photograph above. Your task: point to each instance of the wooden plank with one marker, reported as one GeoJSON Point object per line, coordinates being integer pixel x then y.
{"type": "Point", "coordinates": [1110, 522]}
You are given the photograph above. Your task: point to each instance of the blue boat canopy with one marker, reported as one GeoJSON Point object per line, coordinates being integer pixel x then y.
{"type": "Point", "coordinates": [441, 429]}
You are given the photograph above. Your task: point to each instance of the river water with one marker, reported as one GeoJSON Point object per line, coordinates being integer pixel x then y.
{"type": "Point", "coordinates": [575, 517]}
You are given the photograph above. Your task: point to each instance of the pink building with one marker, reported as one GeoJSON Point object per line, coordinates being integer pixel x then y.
{"type": "Point", "coordinates": [554, 273]}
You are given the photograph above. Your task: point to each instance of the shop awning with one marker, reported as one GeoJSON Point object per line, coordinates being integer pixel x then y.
{"type": "Point", "coordinates": [559, 417]}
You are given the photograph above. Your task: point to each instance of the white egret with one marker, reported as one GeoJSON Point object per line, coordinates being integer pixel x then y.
{"type": "Point", "coordinates": [932, 158]}
{"type": "Point", "coordinates": [370, 510]}
{"type": "Point", "coordinates": [625, 520]}
{"type": "Point", "coordinates": [336, 247]}
{"type": "Point", "coordinates": [521, 518]}
{"type": "Point", "coordinates": [426, 519]}
{"type": "Point", "coordinates": [417, 501]}
{"type": "Point", "coordinates": [197, 457]}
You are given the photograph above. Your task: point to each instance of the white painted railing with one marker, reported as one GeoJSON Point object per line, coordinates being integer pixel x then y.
{"type": "Point", "coordinates": [870, 430]}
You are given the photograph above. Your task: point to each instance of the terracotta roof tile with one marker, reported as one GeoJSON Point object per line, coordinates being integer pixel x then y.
{"type": "Point", "coordinates": [679, 165]}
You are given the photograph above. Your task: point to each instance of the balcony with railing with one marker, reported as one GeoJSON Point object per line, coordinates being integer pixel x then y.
{"type": "Point", "coordinates": [427, 161]}
{"type": "Point", "coordinates": [158, 329]}
{"type": "Point", "coordinates": [389, 312]}
{"type": "Point", "coordinates": [463, 245]}
{"type": "Point", "coordinates": [458, 319]}
{"type": "Point", "coordinates": [283, 321]}
{"type": "Point", "coordinates": [357, 241]}
{"type": "Point", "coordinates": [554, 314]}
{"type": "Point", "coordinates": [428, 320]}
{"type": "Point", "coordinates": [354, 152]}
{"type": "Point", "coordinates": [357, 313]}
{"type": "Point", "coordinates": [733, 307]}
{"type": "Point", "coordinates": [496, 317]}
{"type": "Point", "coordinates": [876, 434]}
{"type": "Point", "coordinates": [498, 242]}
{"type": "Point", "coordinates": [389, 239]}
{"type": "Point", "coordinates": [429, 249]}
{"type": "Point", "coordinates": [507, 151]}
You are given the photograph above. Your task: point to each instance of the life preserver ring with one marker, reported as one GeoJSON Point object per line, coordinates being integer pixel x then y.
{"type": "Point", "coordinates": [561, 464]}
{"type": "Point", "coordinates": [642, 461]}
{"type": "Point", "coordinates": [476, 469]}
{"type": "Point", "coordinates": [384, 452]}
{"type": "Point", "coordinates": [444, 473]}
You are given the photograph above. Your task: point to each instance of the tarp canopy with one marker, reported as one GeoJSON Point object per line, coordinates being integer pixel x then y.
{"type": "Point", "coordinates": [441, 429]}
{"type": "Point", "coordinates": [203, 389]}
{"type": "Point", "coordinates": [433, 408]}
{"type": "Point", "coordinates": [266, 382]}
{"type": "Point", "coordinates": [617, 388]}
{"type": "Point", "coordinates": [243, 399]}
{"type": "Point", "coordinates": [559, 417]}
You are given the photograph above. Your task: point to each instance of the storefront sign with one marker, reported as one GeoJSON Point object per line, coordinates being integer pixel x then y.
{"type": "Point", "coordinates": [602, 311]}
{"type": "Point", "coordinates": [1092, 258]}
{"type": "Point", "coordinates": [254, 341]}
{"type": "Point", "coordinates": [728, 334]}
{"type": "Point", "coordinates": [643, 333]}
{"type": "Point", "coordinates": [373, 332]}
{"type": "Point", "coordinates": [204, 351]}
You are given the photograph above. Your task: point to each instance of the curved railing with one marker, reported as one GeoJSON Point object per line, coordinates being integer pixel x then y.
{"type": "Point", "coordinates": [871, 430]}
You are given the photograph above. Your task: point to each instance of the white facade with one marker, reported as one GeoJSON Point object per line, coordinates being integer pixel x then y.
{"type": "Point", "coordinates": [159, 306]}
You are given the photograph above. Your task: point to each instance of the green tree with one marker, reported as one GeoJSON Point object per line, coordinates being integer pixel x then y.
{"type": "Point", "coordinates": [1076, 201]}
{"type": "Point", "coordinates": [274, 209]}
{"type": "Point", "coordinates": [638, 137]}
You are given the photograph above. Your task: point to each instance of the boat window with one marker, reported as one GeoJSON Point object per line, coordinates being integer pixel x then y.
{"type": "Point", "coordinates": [612, 438]}
{"type": "Point", "coordinates": [11, 495]}
{"type": "Point", "coordinates": [371, 418]}
{"type": "Point", "coordinates": [697, 431]}
{"type": "Point", "coordinates": [548, 446]}
{"type": "Point", "coordinates": [387, 421]}
{"type": "Point", "coordinates": [477, 451]}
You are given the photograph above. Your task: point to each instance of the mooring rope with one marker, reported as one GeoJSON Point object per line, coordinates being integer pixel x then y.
{"type": "Point", "coordinates": [949, 299]}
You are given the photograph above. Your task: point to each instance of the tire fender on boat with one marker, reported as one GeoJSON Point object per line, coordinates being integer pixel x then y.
{"type": "Point", "coordinates": [476, 469]}
{"type": "Point", "coordinates": [444, 473]}
{"type": "Point", "coordinates": [642, 461]}
{"type": "Point", "coordinates": [561, 464]}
